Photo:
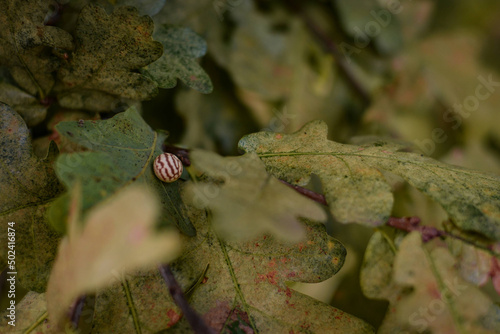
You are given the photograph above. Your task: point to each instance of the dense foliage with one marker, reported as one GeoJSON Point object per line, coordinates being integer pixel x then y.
{"type": "Point", "coordinates": [341, 166]}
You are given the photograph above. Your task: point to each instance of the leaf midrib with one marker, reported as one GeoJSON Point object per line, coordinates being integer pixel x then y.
{"type": "Point", "coordinates": [457, 169]}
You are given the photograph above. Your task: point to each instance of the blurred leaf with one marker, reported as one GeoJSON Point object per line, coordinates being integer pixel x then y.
{"type": "Point", "coordinates": [214, 121]}
{"type": "Point", "coordinates": [376, 273]}
{"type": "Point", "coordinates": [181, 48]}
{"type": "Point", "coordinates": [367, 20]}
{"type": "Point", "coordinates": [117, 237]}
{"type": "Point", "coordinates": [144, 295]}
{"type": "Point", "coordinates": [440, 301]}
{"type": "Point", "coordinates": [122, 152]}
{"type": "Point", "coordinates": [109, 51]}
{"type": "Point", "coordinates": [355, 189]}
{"type": "Point", "coordinates": [249, 202]}
{"type": "Point", "coordinates": [28, 187]}
{"type": "Point", "coordinates": [145, 7]}
{"type": "Point", "coordinates": [26, 105]}
{"type": "Point", "coordinates": [248, 279]}
{"type": "Point", "coordinates": [25, 43]}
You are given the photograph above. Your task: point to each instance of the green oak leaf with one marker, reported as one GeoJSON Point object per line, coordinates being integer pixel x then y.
{"type": "Point", "coordinates": [26, 42]}
{"type": "Point", "coordinates": [181, 48]}
{"type": "Point", "coordinates": [243, 287]}
{"type": "Point", "coordinates": [25, 104]}
{"type": "Point", "coordinates": [355, 188]}
{"type": "Point", "coordinates": [247, 278]}
{"type": "Point", "coordinates": [109, 51]}
{"type": "Point", "coordinates": [29, 184]}
{"type": "Point", "coordinates": [134, 303]}
{"type": "Point", "coordinates": [245, 201]}
{"type": "Point", "coordinates": [145, 7]}
{"type": "Point", "coordinates": [122, 150]}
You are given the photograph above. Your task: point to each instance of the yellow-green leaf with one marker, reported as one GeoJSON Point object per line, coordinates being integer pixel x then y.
{"type": "Point", "coordinates": [355, 188]}
{"type": "Point", "coordinates": [246, 201]}
{"type": "Point", "coordinates": [118, 236]}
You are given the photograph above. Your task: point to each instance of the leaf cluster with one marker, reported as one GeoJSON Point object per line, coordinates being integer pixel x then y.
{"type": "Point", "coordinates": [276, 225]}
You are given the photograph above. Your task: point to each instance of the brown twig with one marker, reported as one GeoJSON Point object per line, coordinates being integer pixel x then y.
{"type": "Point", "coordinates": [76, 311]}
{"type": "Point", "coordinates": [306, 192]}
{"type": "Point", "coordinates": [181, 153]}
{"type": "Point", "coordinates": [410, 224]}
{"type": "Point", "coordinates": [332, 47]}
{"type": "Point", "coordinates": [194, 319]}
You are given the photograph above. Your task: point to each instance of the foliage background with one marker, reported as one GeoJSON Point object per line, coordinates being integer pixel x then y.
{"type": "Point", "coordinates": [272, 68]}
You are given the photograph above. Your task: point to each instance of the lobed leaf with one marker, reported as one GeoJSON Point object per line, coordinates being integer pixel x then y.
{"type": "Point", "coordinates": [244, 286]}
{"type": "Point", "coordinates": [23, 103]}
{"type": "Point", "coordinates": [25, 43]}
{"type": "Point", "coordinates": [249, 201]}
{"type": "Point", "coordinates": [122, 152]}
{"type": "Point", "coordinates": [355, 188]}
{"type": "Point", "coordinates": [441, 301]}
{"type": "Point", "coordinates": [181, 48]}
{"type": "Point", "coordinates": [109, 51]}
{"type": "Point", "coordinates": [29, 184]}
{"type": "Point", "coordinates": [118, 236]}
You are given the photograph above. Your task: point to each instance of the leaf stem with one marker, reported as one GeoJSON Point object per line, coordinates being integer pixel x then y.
{"type": "Point", "coordinates": [131, 306]}
{"type": "Point", "coordinates": [37, 323]}
{"type": "Point", "coordinates": [195, 320]}
{"type": "Point", "coordinates": [181, 153]}
{"type": "Point", "coordinates": [332, 47]}
{"type": "Point", "coordinates": [76, 310]}
{"type": "Point", "coordinates": [306, 192]}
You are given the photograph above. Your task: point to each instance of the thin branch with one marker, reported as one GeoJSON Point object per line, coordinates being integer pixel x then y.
{"type": "Point", "coordinates": [76, 310]}
{"type": "Point", "coordinates": [410, 224]}
{"type": "Point", "coordinates": [181, 153]}
{"type": "Point", "coordinates": [195, 321]}
{"type": "Point", "coordinates": [332, 47]}
{"type": "Point", "coordinates": [308, 193]}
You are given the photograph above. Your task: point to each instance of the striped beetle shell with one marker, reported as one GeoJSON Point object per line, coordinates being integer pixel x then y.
{"type": "Point", "coordinates": [167, 167]}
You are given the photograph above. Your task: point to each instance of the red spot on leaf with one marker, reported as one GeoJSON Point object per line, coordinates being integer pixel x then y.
{"type": "Point", "coordinates": [270, 277]}
{"type": "Point", "coordinates": [193, 78]}
{"type": "Point", "coordinates": [301, 247]}
{"type": "Point", "coordinates": [495, 273]}
{"type": "Point", "coordinates": [433, 291]}
{"type": "Point", "coordinates": [173, 316]}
